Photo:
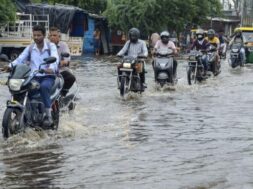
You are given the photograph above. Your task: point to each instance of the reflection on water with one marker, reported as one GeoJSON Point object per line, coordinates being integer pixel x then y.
{"type": "Point", "coordinates": [197, 136]}
{"type": "Point", "coordinates": [31, 169]}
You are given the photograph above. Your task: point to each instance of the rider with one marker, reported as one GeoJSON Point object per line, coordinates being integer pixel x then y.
{"type": "Point", "coordinates": [201, 44]}
{"type": "Point", "coordinates": [62, 47]}
{"type": "Point", "coordinates": [223, 42]}
{"type": "Point", "coordinates": [165, 43]}
{"type": "Point", "coordinates": [213, 40]}
{"type": "Point", "coordinates": [238, 39]}
{"type": "Point", "coordinates": [35, 53]}
{"type": "Point", "coordinates": [135, 47]}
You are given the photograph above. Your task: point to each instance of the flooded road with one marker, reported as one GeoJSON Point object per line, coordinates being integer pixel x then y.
{"type": "Point", "coordinates": [195, 137]}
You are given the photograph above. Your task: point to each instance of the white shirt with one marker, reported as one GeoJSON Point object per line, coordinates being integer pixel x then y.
{"type": "Point", "coordinates": [37, 56]}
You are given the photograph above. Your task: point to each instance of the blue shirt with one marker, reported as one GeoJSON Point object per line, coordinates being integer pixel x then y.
{"type": "Point", "coordinates": [37, 56]}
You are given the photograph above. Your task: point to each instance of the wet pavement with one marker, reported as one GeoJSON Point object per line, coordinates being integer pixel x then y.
{"type": "Point", "coordinates": [193, 137]}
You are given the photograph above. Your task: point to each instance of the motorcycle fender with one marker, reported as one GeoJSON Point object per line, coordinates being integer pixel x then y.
{"type": "Point", "coordinates": [14, 104]}
{"type": "Point", "coordinates": [162, 76]}
{"type": "Point", "coordinates": [234, 62]}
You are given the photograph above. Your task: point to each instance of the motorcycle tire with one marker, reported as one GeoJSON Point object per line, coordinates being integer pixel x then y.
{"type": "Point", "coordinates": [123, 84]}
{"type": "Point", "coordinates": [56, 114]}
{"type": "Point", "coordinates": [11, 122]}
{"type": "Point", "coordinates": [189, 76]}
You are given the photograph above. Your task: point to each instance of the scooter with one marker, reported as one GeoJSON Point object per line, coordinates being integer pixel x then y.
{"type": "Point", "coordinates": [235, 59]}
{"type": "Point", "coordinates": [163, 68]}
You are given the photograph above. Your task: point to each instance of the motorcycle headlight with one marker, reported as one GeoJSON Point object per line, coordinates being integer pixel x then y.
{"type": "Point", "coordinates": [235, 50]}
{"type": "Point", "coordinates": [126, 65]}
{"type": "Point", "coordinates": [15, 84]}
{"type": "Point", "coordinates": [192, 58]}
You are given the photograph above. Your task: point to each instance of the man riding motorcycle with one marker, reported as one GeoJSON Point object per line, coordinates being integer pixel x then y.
{"type": "Point", "coordinates": [213, 40]}
{"type": "Point", "coordinates": [201, 44]}
{"type": "Point", "coordinates": [62, 47]}
{"type": "Point", "coordinates": [165, 43]}
{"type": "Point", "coordinates": [135, 47]}
{"type": "Point", "coordinates": [223, 43]}
{"type": "Point", "coordinates": [35, 53]}
{"type": "Point", "coordinates": [238, 39]}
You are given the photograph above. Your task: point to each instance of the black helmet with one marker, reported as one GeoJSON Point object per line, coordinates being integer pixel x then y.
{"type": "Point", "coordinates": [210, 33]}
{"type": "Point", "coordinates": [165, 37]}
{"type": "Point", "coordinates": [134, 34]}
{"type": "Point", "coordinates": [238, 33]}
{"type": "Point", "coordinates": [200, 34]}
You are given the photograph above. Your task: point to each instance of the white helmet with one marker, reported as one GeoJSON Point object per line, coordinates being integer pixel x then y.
{"type": "Point", "coordinates": [165, 34]}
{"type": "Point", "coordinates": [200, 34]}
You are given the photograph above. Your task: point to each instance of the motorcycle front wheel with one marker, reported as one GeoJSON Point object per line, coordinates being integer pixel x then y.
{"type": "Point", "coordinates": [56, 114]}
{"type": "Point", "coordinates": [190, 76]}
{"type": "Point", "coordinates": [11, 123]}
{"type": "Point", "coordinates": [123, 86]}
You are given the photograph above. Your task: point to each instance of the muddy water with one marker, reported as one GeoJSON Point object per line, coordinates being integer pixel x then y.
{"type": "Point", "coordinates": [192, 137]}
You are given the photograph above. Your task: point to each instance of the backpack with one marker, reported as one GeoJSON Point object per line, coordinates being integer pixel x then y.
{"type": "Point", "coordinates": [31, 48]}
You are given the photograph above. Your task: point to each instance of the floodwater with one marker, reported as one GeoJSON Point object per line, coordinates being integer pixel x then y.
{"type": "Point", "coordinates": [195, 137]}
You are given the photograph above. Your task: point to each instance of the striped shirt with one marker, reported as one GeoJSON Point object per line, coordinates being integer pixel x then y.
{"type": "Point", "coordinates": [134, 49]}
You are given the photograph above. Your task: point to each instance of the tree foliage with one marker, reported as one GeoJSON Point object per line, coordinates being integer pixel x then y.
{"type": "Point", "coordinates": [7, 12]}
{"type": "Point", "coordinates": [157, 15]}
{"type": "Point", "coordinates": [95, 6]}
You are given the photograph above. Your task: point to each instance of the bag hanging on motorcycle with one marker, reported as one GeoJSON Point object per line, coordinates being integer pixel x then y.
{"type": "Point", "coordinates": [139, 67]}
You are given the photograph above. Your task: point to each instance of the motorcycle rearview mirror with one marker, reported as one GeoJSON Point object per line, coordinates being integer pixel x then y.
{"type": "Point", "coordinates": [49, 60]}
{"type": "Point", "coordinates": [65, 55]}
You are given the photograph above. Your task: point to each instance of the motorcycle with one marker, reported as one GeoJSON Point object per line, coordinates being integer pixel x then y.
{"type": "Point", "coordinates": [213, 66]}
{"type": "Point", "coordinates": [195, 69]}
{"type": "Point", "coordinates": [235, 59]}
{"type": "Point", "coordinates": [25, 109]}
{"type": "Point", "coordinates": [68, 102]}
{"type": "Point", "coordinates": [129, 75]}
{"type": "Point", "coordinates": [163, 67]}
{"type": "Point", "coordinates": [222, 52]}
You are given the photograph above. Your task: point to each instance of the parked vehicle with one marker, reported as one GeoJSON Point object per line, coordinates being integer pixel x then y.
{"type": "Point", "coordinates": [28, 111]}
{"type": "Point", "coordinates": [163, 67]}
{"type": "Point", "coordinates": [129, 77]}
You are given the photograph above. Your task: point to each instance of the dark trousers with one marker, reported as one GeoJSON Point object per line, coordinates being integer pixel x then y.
{"type": "Point", "coordinates": [69, 80]}
{"type": "Point", "coordinates": [46, 83]}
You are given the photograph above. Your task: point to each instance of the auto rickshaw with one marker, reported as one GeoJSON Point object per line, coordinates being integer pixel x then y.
{"type": "Point", "coordinates": [247, 33]}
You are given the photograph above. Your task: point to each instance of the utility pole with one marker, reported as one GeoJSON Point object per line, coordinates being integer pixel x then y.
{"type": "Point", "coordinates": [242, 12]}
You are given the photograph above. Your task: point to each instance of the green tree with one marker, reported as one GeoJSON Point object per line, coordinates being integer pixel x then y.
{"type": "Point", "coordinates": [95, 6]}
{"type": "Point", "coordinates": [157, 15]}
{"type": "Point", "coordinates": [7, 12]}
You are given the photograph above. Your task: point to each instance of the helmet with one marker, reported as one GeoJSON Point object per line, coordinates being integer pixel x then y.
{"type": "Point", "coordinates": [200, 34]}
{"type": "Point", "coordinates": [238, 33]}
{"type": "Point", "coordinates": [210, 33]}
{"type": "Point", "coordinates": [165, 37]}
{"type": "Point", "coordinates": [134, 35]}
